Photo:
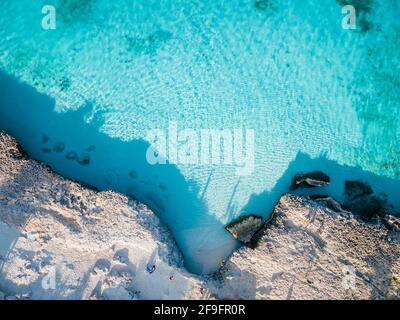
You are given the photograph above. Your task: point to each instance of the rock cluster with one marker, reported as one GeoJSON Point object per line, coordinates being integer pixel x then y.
{"type": "Point", "coordinates": [309, 251]}
{"type": "Point", "coordinates": [361, 199]}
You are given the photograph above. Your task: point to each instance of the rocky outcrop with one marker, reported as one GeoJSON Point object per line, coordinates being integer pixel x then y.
{"type": "Point", "coordinates": [246, 228]}
{"type": "Point", "coordinates": [392, 222]}
{"type": "Point", "coordinates": [309, 251]}
{"type": "Point", "coordinates": [328, 201]}
{"type": "Point", "coordinates": [310, 180]}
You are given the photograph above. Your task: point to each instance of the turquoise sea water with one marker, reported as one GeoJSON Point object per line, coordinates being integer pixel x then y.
{"type": "Point", "coordinates": [82, 98]}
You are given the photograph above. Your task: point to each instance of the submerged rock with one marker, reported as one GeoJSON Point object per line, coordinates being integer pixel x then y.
{"type": "Point", "coordinates": [329, 202]}
{"type": "Point", "coordinates": [45, 138]}
{"type": "Point", "coordinates": [59, 147]}
{"type": "Point", "coordinates": [262, 5]}
{"type": "Point", "coordinates": [361, 200]}
{"type": "Point", "coordinates": [368, 207]}
{"type": "Point", "coordinates": [84, 159]}
{"type": "Point", "coordinates": [71, 155]}
{"type": "Point", "coordinates": [245, 228]}
{"type": "Point", "coordinates": [310, 180]}
{"type": "Point", "coordinates": [357, 189]}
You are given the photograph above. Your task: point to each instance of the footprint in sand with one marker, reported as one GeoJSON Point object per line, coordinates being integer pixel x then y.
{"type": "Point", "coordinates": [102, 265]}
{"type": "Point", "coordinates": [122, 256]}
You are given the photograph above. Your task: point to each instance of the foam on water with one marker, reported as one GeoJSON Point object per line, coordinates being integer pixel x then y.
{"type": "Point", "coordinates": [83, 97]}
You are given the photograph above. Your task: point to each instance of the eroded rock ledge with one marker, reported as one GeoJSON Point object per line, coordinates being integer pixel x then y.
{"type": "Point", "coordinates": [312, 252]}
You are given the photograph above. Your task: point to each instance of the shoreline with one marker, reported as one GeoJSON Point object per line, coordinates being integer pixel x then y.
{"type": "Point", "coordinates": [83, 152]}
{"type": "Point", "coordinates": [100, 244]}
{"type": "Point", "coordinates": [40, 209]}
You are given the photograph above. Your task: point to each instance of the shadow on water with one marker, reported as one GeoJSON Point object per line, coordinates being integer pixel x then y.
{"type": "Point", "coordinates": [79, 150]}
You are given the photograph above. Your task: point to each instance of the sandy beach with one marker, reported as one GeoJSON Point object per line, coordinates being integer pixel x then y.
{"type": "Point", "coordinates": [62, 240]}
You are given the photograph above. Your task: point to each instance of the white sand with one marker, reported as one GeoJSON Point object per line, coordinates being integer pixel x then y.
{"type": "Point", "coordinates": [98, 244]}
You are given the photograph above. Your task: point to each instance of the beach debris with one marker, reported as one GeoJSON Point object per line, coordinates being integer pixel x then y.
{"type": "Point", "coordinates": [310, 180]}
{"type": "Point", "coordinates": [45, 138]}
{"type": "Point", "coordinates": [245, 228]}
{"type": "Point", "coordinates": [24, 296]}
{"type": "Point", "coordinates": [151, 269]}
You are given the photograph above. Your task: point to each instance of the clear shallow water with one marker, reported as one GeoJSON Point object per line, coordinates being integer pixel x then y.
{"type": "Point", "coordinates": [316, 96]}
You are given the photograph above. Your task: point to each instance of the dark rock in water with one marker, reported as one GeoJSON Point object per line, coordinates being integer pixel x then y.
{"type": "Point", "coordinates": [245, 228]}
{"type": "Point", "coordinates": [310, 180]}
{"type": "Point", "coordinates": [59, 147]}
{"type": "Point", "coordinates": [133, 174]}
{"type": "Point", "coordinates": [361, 200]}
{"type": "Point", "coordinates": [84, 159]}
{"type": "Point", "coordinates": [45, 138]}
{"type": "Point", "coordinates": [71, 155]}
{"type": "Point", "coordinates": [262, 5]}
{"type": "Point", "coordinates": [330, 202]}
{"type": "Point", "coordinates": [368, 207]}
{"type": "Point", "coordinates": [357, 189]}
